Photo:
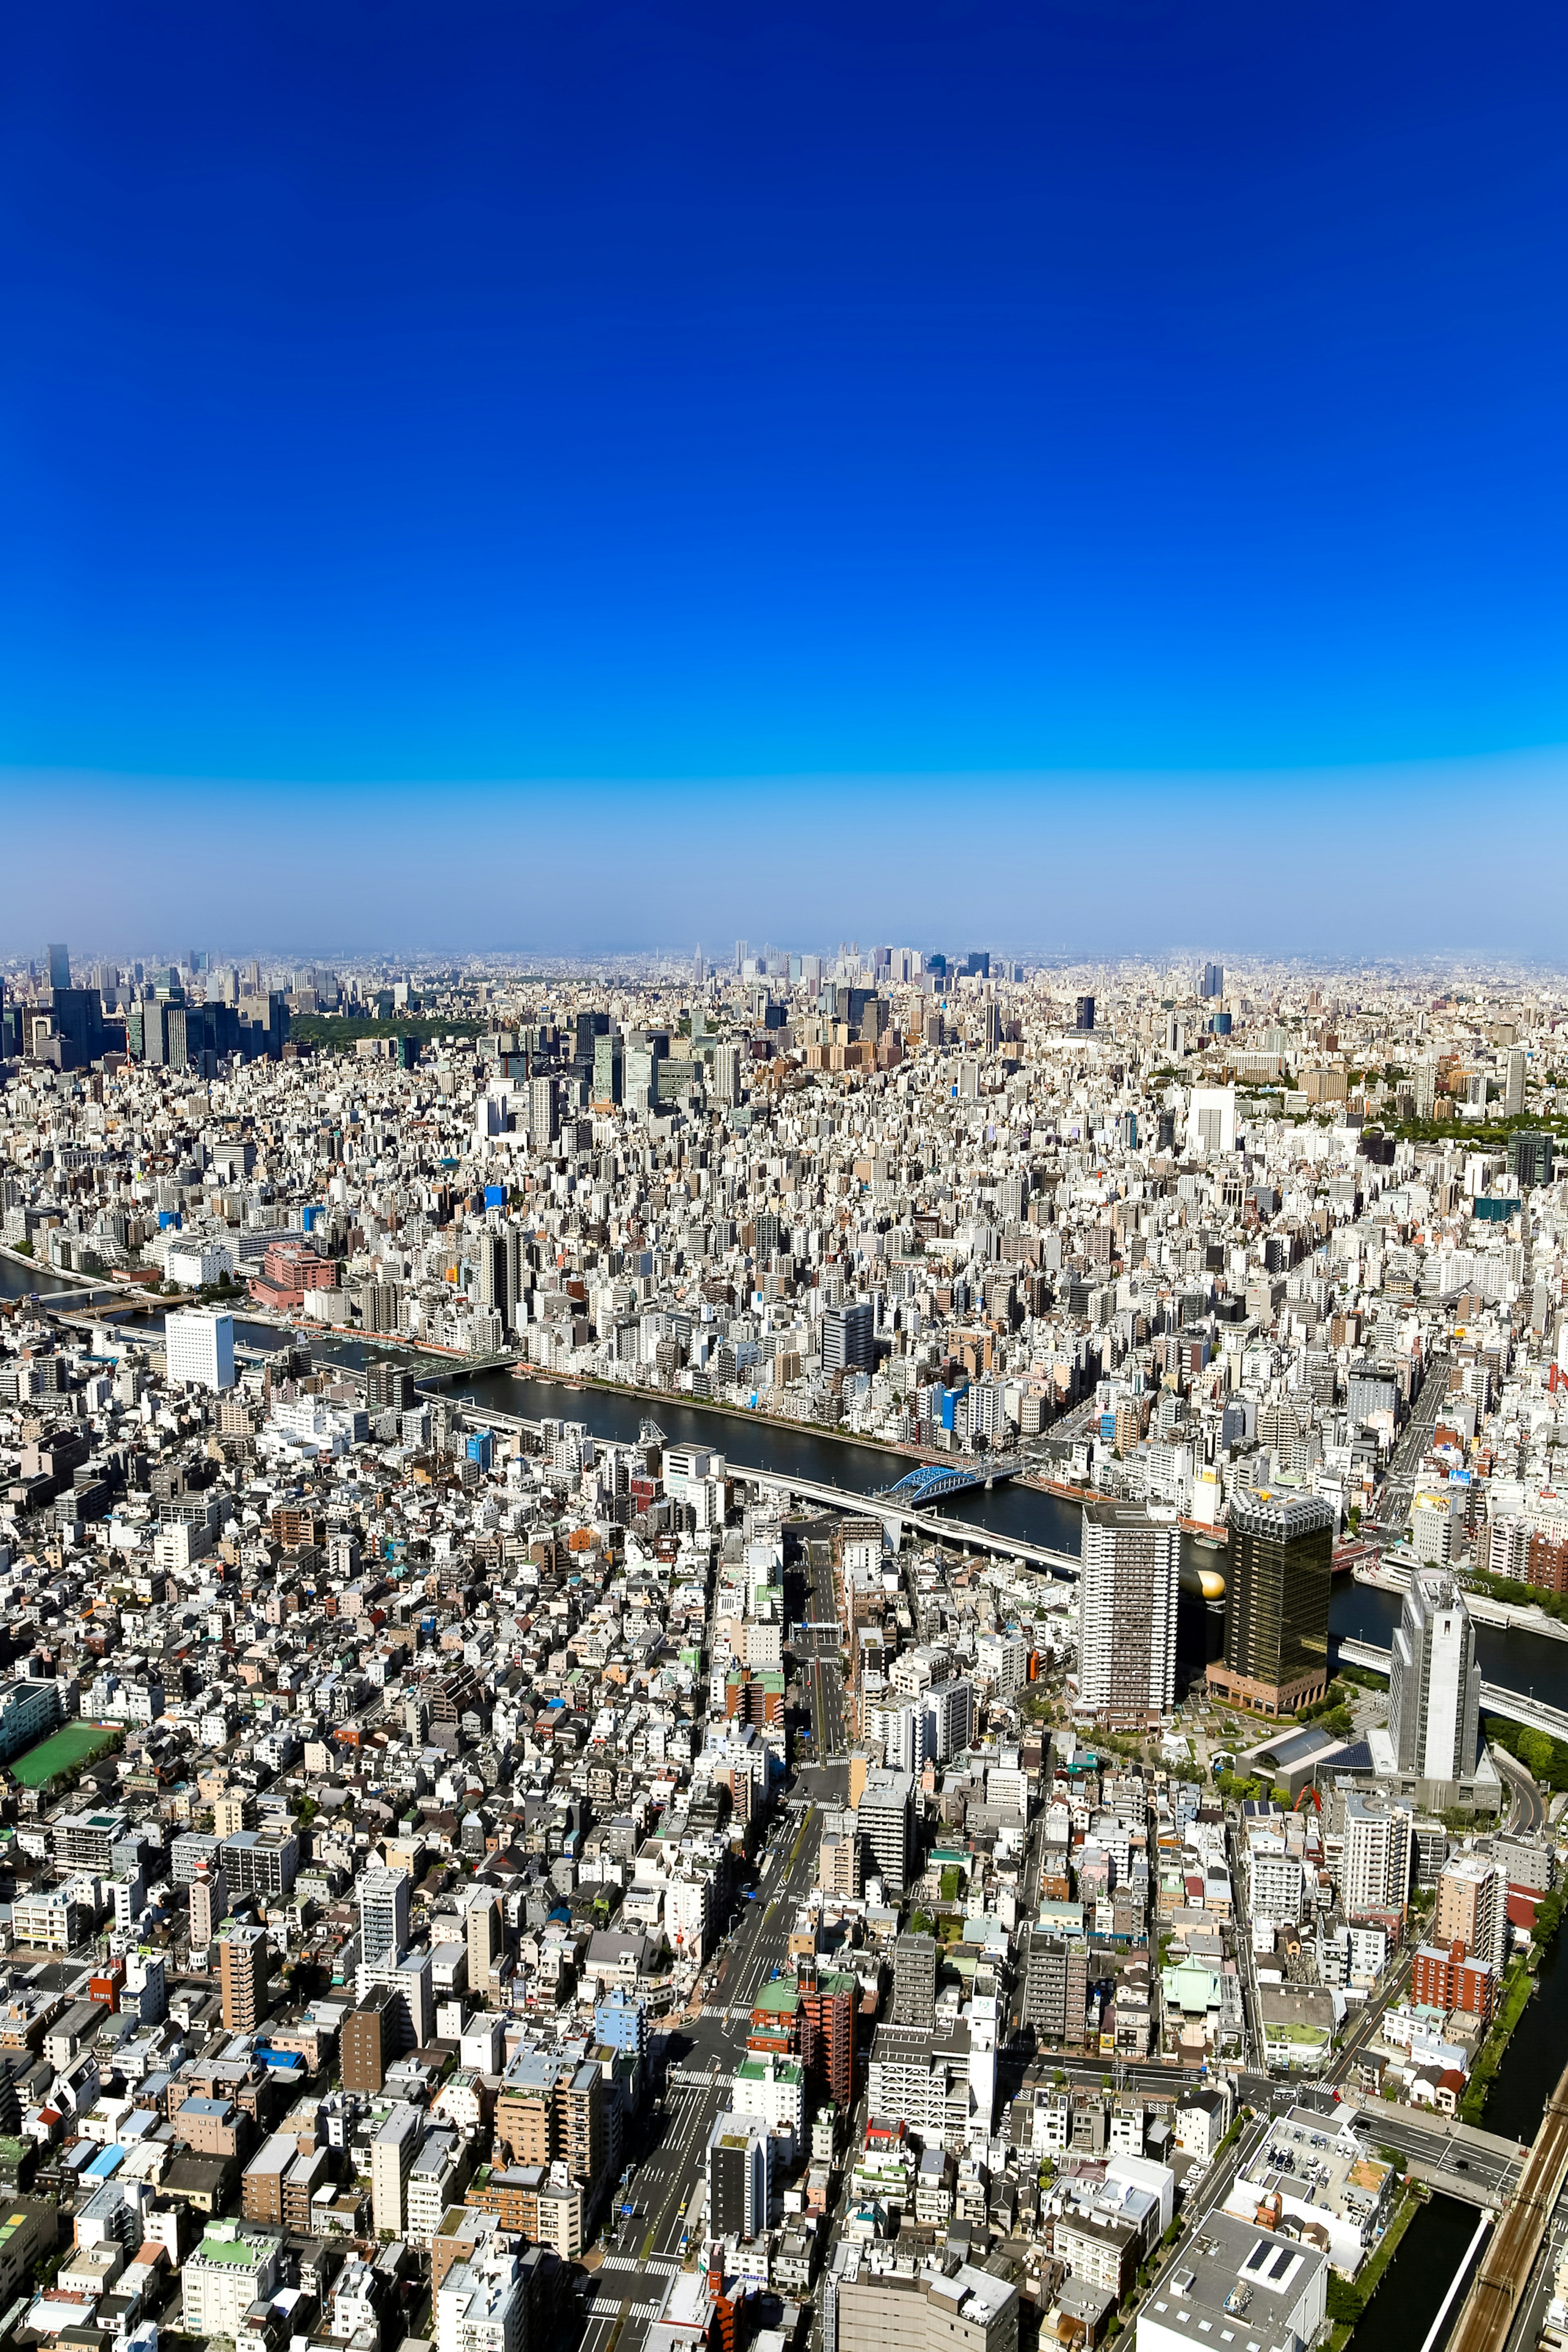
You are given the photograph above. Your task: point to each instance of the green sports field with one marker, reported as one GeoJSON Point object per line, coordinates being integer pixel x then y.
{"type": "Point", "coordinates": [74, 1743]}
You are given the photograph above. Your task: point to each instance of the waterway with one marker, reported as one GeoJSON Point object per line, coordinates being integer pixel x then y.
{"type": "Point", "coordinates": [18, 1280]}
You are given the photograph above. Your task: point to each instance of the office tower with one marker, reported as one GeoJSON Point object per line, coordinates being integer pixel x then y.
{"type": "Point", "coordinates": [1211, 1121]}
{"type": "Point", "coordinates": [848, 1336]}
{"type": "Point", "coordinates": [1083, 1013]}
{"type": "Point", "coordinates": [736, 2178]}
{"type": "Point", "coordinates": [1374, 1865]}
{"type": "Point", "coordinates": [727, 1074]}
{"type": "Point", "coordinates": [486, 1939]}
{"type": "Point", "coordinates": [641, 1058]}
{"type": "Point", "coordinates": [1277, 1583]}
{"type": "Point", "coordinates": [59, 965]}
{"type": "Point", "coordinates": [1435, 1682]}
{"type": "Point", "coordinates": [78, 1024]}
{"type": "Point", "coordinates": [497, 1256]}
{"type": "Point", "coordinates": [1513, 1090]}
{"type": "Point", "coordinates": [1531, 1155]}
{"type": "Point", "coordinates": [543, 1113]}
{"type": "Point", "coordinates": [209, 1905]}
{"type": "Point", "coordinates": [914, 1982]}
{"type": "Point", "coordinates": [200, 1348]}
{"type": "Point", "coordinates": [242, 1964]}
{"type": "Point", "coordinates": [1213, 982]}
{"type": "Point", "coordinates": [1425, 1088]}
{"type": "Point", "coordinates": [383, 1914]}
{"type": "Point", "coordinates": [608, 1069]}
{"type": "Point", "coordinates": [885, 1817]}
{"type": "Point", "coordinates": [177, 1045]}
{"type": "Point", "coordinates": [741, 952]}
{"type": "Point", "coordinates": [991, 1025]}
{"type": "Point", "coordinates": [1127, 1613]}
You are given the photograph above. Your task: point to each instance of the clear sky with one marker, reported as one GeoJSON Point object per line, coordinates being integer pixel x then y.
{"type": "Point", "coordinates": [639, 471]}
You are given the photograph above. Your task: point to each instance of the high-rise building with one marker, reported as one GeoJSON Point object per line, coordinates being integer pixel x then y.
{"type": "Point", "coordinates": [1083, 1013]}
{"type": "Point", "coordinates": [497, 1271]}
{"type": "Point", "coordinates": [1435, 1682]}
{"type": "Point", "coordinates": [544, 1112]}
{"type": "Point", "coordinates": [242, 1976]}
{"type": "Point", "coordinates": [1374, 1868]}
{"type": "Point", "coordinates": [210, 1903]}
{"type": "Point", "coordinates": [609, 1070]}
{"type": "Point", "coordinates": [1513, 1089]}
{"type": "Point", "coordinates": [59, 964]}
{"type": "Point", "coordinates": [848, 1338]}
{"type": "Point", "coordinates": [737, 2148]}
{"type": "Point", "coordinates": [885, 1817]}
{"type": "Point", "coordinates": [383, 1914]}
{"type": "Point", "coordinates": [1127, 1613]}
{"type": "Point", "coordinates": [1279, 1581]}
{"type": "Point", "coordinates": [486, 1941]}
{"type": "Point", "coordinates": [914, 1982]}
{"type": "Point", "coordinates": [78, 1024]}
{"type": "Point", "coordinates": [388, 1387]}
{"type": "Point", "coordinates": [727, 1074]}
{"type": "Point", "coordinates": [392, 2155]}
{"type": "Point", "coordinates": [1213, 981]}
{"type": "Point", "coordinates": [199, 1347]}
{"type": "Point", "coordinates": [1472, 1906]}
{"type": "Point", "coordinates": [1531, 1155]}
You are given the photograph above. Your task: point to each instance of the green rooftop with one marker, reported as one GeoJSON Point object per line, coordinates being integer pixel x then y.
{"type": "Point", "coordinates": [221, 2246]}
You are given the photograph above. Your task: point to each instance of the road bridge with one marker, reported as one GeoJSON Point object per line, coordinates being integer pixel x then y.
{"type": "Point", "coordinates": [961, 1533]}
{"type": "Point", "coordinates": [1514, 1706]}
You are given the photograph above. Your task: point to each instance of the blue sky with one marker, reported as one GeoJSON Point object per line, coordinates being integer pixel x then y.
{"type": "Point", "coordinates": [827, 443]}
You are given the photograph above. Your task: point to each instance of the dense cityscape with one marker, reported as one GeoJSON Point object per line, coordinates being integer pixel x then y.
{"type": "Point", "coordinates": [823, 1651]}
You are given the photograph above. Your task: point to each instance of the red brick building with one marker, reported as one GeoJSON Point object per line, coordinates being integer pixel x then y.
{"type": "Point", "coordinates": [288, 1271]}
{"type": "Point", "coordinates": [1448, 1980]}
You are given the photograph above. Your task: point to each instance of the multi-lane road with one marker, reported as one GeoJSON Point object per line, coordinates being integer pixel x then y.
{"type": "Point", "coordinates": [1393, 1502]}
{"type": "Point", "coordinates": [629, 2288]}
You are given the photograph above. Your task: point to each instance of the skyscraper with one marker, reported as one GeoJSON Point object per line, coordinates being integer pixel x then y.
{"type": "Point", "coordinates": [1277, 1601]}
{"type": "Point", "coordinates": [1127, 1613]}
{"type": "Point", "coordinates": [59, 964]}
{"type": "Point", "coordinates": [1435, 1682]}
{"type": "Point", "coordinates": [1083, 1013]}
{"type": "Point", "coordinates": [1213, 981]}
{"type": "Point", "coordinates": [1513, 1091]}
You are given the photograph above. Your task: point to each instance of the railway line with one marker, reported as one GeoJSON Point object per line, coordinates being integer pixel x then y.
{"type": "Point", "coordinates": [1489, 2308]}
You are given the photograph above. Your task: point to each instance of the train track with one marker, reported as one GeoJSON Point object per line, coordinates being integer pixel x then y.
{"type": "Point", "coordinates": [1498, 2285]}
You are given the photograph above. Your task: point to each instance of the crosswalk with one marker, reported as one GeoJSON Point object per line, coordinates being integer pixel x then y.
{"type": "Point", "coordinates": [689, 2078]}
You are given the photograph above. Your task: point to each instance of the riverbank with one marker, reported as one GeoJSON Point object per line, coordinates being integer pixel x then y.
{"type": "Point", "coordinates": [1349, 2298]}
{"type": "Point", "coordinates": [1517, 1990]}
{"type": "Point", "coordinates": [750, 1417]}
